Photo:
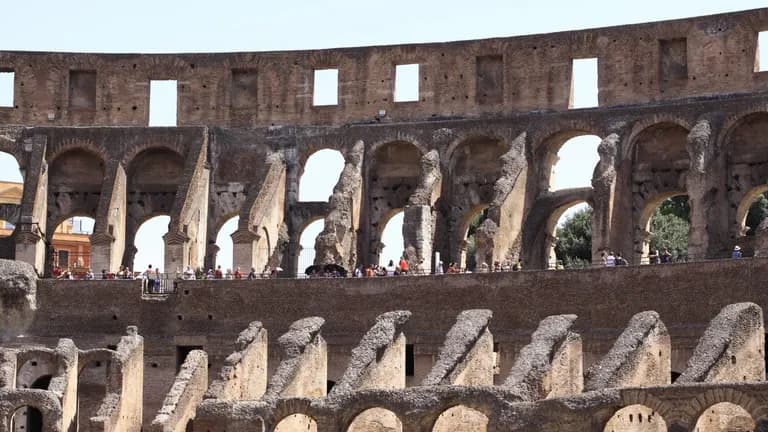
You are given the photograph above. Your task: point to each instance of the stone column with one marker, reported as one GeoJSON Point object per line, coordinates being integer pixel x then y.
{"type": "Point", "coordinates": [244, 249]}
{"type": "Point", "coordinates": [604, 187]}
{"type": "Point", "coordinates": [108, 238]}
{"type": "Point", "coordinates": [176, 251]}
{"type": "Point", "coordinates": [418, 226]}
{"type": "Point", "coordinates": [30, 242]}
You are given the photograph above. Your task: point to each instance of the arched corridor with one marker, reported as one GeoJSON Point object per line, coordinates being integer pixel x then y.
{"type": "Point", "coordinates": [574, 163]}
{"type": "Point", "coordinates": [320, 174]}
{"type": "Point", "coordinates": [150, 247]}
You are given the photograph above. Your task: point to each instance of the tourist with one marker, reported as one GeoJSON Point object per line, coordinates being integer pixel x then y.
{"type": "Point", "coordinates": [89, 274]}
{"type": "Point", "coordinates": [620, 261]}
{"type": "Point", "coordinates": [252, 275]}
{"type": "Point", "coordinates": [238, 274]}
{"type": "Point", "coordinates": [56, 272]}
{"type": "Point", "coordinates": [218, 274]}
{"type": "Point", "coordinates": [188, 273]}
{"type": "Point", "coordinates": [610, 260]}
{"type": "Point", "coordinates": [497, 266]}
{"type": "Point", "coordinates": [210, 275]}
{"type": "Point", "coordinates": [391, 268]}
{"type": "Point", "coordinates": [228, 275]}
{"type": "Point", "coordinates": [403, 265]}
{"type": "Point", "coordinates": [518, 265]}
{"type": "Point", "coordinates": [157, 279]}
{"type": "Point", "coordinates": [439, 268]}
{"type": "Point", "coordinates": [104, 274]}
{"type": "Point", "coordinates": [665, 256]}
{"type": "Point", "coordinates": [736, 252]}
{"type": "Point", "coordinates": [358, 272]}
{"type": "Point", "coordinates": [148, 278]}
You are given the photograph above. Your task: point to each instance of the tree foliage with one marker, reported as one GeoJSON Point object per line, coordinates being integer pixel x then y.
{"type": "Point", "coordinates": [670, 226]}
{"type": "Point", "coordinates": [471, 248]}
{"type": "Point", "coordinates": [574, 240]}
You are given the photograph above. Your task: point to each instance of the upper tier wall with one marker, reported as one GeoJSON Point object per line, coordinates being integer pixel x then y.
{"type": "Point", "coordinates": [637, 64]}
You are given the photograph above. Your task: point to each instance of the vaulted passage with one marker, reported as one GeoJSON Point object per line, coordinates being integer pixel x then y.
{"type": "Point", "coordinates": [320, 174]}
{"type": "Point", "coordinates": [667, 226]}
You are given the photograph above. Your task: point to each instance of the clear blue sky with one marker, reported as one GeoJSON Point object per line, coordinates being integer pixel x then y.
{"type": "Point", "coordinates": [203, 26]}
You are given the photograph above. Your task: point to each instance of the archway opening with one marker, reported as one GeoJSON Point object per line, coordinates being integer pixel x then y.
{"type": "Point", "coordinates": [150, 246]}
{"type": "Point", "coordinates": [376, 420]}
{"type": "Point", "coordinates": [392, 241]}
{"type": "Point", "coordinates": [321, 173]}
{"type": "Point", "coordinates": [573, 233]}
{"type": "Point", "coordinates": [667, 226]}
{"type": "Point", "coordinates": [636, 418]}
{"type": "Point", "coordinates": [725, 417]}
{"type": "Point", "coordinates": [574, 164]}
{"type": "Point", "coordinates": [11, 190]}
{"type": "Point", "coordinates": [71, 247]}
{"type": "Point", "coordinates": [27, 419]}
{"type": "Point", "coordinates": [461, 418]}
{"type": "Point", "coordinates": [297, 422]}
{"type": "Point", "coordinates": [757, 211]}
{"type": "Point", "coordinates": [224, 256]}
{"type": "Point", "coordinates": [307, 244]}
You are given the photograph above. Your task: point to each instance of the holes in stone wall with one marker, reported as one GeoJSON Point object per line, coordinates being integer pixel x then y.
{"type": "Point", "coordinates": [6, 88]}
{"type": "Point", "coordinates": [163, 102]}
{"type": "Point", "coordinates": [325, 87]}
{"type": "Point", "coordinates": [82, 89]}
{"type": "Point", "coordinates": [244, 89]}
{"type": "Point", "coordinates": [761, 54]}
{"type": "Point", "coordinates": [407, 82]}
{"type": "Point", "coordinates": [584, 84]}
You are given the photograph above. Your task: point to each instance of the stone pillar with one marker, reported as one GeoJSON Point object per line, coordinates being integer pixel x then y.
{"type": "Point", "coordinates": [30, 234]}
{"type": "Point", "coordinates": [108, 238]}
{"type": "Point", "coordinates": [418, 226]}
{"type": "Point", "coordinates": [244, 249]}
{"type": "Point", "coordinates": [176, 251]}
{"type": "Point", "coordinates": [604, 187]}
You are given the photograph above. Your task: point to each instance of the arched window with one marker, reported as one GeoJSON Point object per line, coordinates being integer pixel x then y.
{"type": "Point", "coordinates": [321, 173]}
{"type": "Point", "coordinates": [573, 231]}
{"type": "Point", "coordinates": [297, 422]}
{"type": "Point", "coordinates": [575, 163]}
{"type": "Point", "coordinates": [376, 419]}
{"type": "Point", "coordinates": [224, 242]}
{"type": "Point", "coordinates": [666, 220]}
{"type": "Point", "coordinates": [461, 418]}
{"type": "Point", "coordinates": [636, 418]}
{"type": "Point", "coordinates": [723, 417]}
{"type": "Point", "coordinates": [27, 419]}
{"type": "Point", "coordinates": [150, 247]}
{"type": "Point", "coordinates": [307, 242]}
{"type": "Point", "coordinates": [392, 239]}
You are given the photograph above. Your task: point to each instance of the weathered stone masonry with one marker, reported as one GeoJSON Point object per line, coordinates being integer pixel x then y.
{"type": "Point", "coordinates": [682, 111]}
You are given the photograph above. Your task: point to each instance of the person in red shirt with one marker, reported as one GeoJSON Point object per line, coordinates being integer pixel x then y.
{"type": "Point", "coordinates": [403, 265]}
{"type": "Point", "coordinates": [238, 273]}
{"type": "Point", "coordinates": [218, 274]}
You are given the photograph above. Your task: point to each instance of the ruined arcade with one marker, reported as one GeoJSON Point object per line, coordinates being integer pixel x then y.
{"type": "Point", "coordinates": [682, 110]}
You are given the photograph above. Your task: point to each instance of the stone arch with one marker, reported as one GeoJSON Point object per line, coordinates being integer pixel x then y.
{"type": "Point", "coordinates": [386, 219]}
{"type": "Point", "coordinates": [134, 151]}
{"type": "Point", "coordinates": [134, 234]}
{"type": "Point", "coordinates": [742, 210]}
{"type": "Point", "coordinates": [642, 229]}
{"type": "Point", "coordinates": [398, 137]}
{"type": "Point", "coordinates": [546, 152]}
{"type": "Point", "coordinates": [460, 256]}
{"type": "Point", "coordinates": [77, 244]}
{"type": "Point", "coordinates": [695, 408]}
{"type": "Point", "coordinates": [636, 418]}
{"type": "Point", "coordinates": [461, 418]}
{"type": "Point", "coordinates": [296, 422]}
{"type": "Point", "coordinates": [67, 145]}
{"type": "Point", "coordinates": [649, 123]}
{"type": "Point", "coordinates": [551, 228]}
{"type": "Point", "coordinates": [736, 119]}
{"type": "Point", "coordinates": [468, 138]}
{"type": "Point", "coordinates": [375, 419]}
{"type": "Point", "coordinates": [27, 419]}
{"type": "Point", "coordinates": [724, 417]}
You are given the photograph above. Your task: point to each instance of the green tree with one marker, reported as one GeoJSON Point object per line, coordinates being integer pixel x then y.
{"type": "Point", "coordinates": [574, 240]}
{"type": "Point", "coordinates": [757, 212]}
{"type": "Point", "coordinates": [670, 226]}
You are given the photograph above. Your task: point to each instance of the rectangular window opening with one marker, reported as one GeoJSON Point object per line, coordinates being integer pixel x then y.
{"type": "Point", "coordinates": [6, 89]}
{"type": "Point", "coordinates": [584, 83]}
{"type": "Point", "coordinates": [407, 82]}
{"type": "Point", "coordinates": [410, 361]}
{"type": "Point", "coordinates": [325, 88]}
{"type": "Point", "coordinates": [761, 60]}
{"type": "Point", "coordinates": [182, 351]}
{"type": "Point", "coordinates": [163, 100]}
{"type": "Point", "coordinates": [82, 89]}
